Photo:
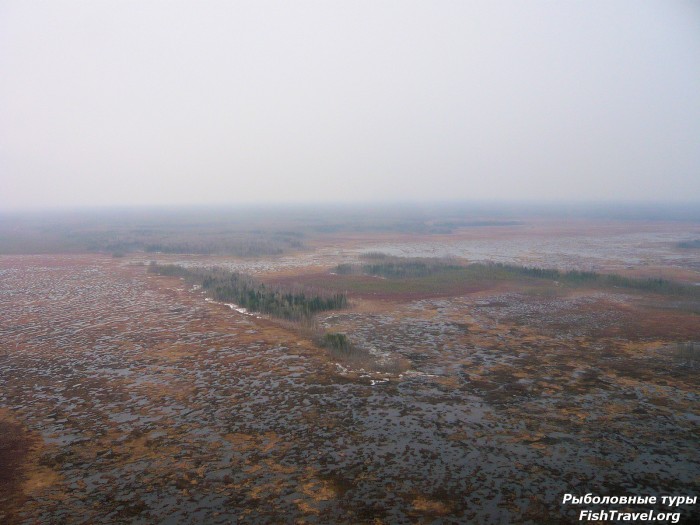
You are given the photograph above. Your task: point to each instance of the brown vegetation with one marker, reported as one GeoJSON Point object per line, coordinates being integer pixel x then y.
{"type": "Point", "coordinates": [135, 400]}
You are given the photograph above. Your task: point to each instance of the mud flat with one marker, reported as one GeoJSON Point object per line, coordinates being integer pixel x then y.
{"type": "Point", "coordinates": [129, 398]}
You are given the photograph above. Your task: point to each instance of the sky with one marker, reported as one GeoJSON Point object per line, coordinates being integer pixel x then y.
{"type": "Point", "coordinates": [106, 103]}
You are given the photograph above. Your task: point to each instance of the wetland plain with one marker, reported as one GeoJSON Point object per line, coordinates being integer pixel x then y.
{"type": "Point", "coordinates": [484, 391]}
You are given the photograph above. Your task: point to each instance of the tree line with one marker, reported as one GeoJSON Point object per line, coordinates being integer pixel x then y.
{"type": "Point", "coordinates": [290, 303]}
{"type": "Point", "coordinates": [389, 267]}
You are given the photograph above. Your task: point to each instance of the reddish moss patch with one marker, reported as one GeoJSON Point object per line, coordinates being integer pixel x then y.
{"type": "Point", "coordinates": [15, 447]}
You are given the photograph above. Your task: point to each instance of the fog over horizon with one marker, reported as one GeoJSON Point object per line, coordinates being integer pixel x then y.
{"type": "Point", "coordinates": [170, 103]}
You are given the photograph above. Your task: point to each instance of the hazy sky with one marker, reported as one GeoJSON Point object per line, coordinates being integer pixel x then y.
{"type": "Point", "coordinates": [162, 102]}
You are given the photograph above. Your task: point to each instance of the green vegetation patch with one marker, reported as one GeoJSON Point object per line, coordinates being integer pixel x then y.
{"type": "Point", "coordinates": [234, 287]}
{"type": "Point", "coordinates": [335, 341]}
{"type": "Point", "coordinates": [382, 265]}
{"type": "Point", "coordinates": [342, 349]}
{"type": "Point", "coordinates": [689, 245]}
{"type": "Point", "coordinates": [689, 353]}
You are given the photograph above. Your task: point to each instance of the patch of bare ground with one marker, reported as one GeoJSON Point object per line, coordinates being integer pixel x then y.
{"type": "Point", "coordinates": [372, 289]}
{"type": "Point", "coordinates": [645, 321]}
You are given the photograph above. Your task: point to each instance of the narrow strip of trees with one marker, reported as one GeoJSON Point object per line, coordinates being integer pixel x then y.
{"type": "Point", "coordinates": [293, 304]}
{"type": "Point", "coordinates": [397, 267]}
